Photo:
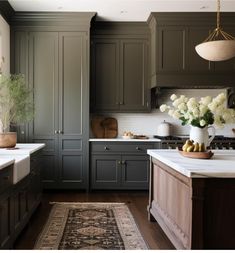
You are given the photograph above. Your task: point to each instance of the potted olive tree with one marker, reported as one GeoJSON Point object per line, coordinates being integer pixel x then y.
{"type": "Point", "coordinates": [16, 106]}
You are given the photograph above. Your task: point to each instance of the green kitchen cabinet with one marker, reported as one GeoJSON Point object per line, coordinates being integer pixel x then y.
{"type": "Point", "coordinates": [119, 70]}
{"type": "Point", "coordinates": [6, 207]}
{"type": "Point", "coordinates": [105, 75]}
{"type": "Point", "coordinates": [174, 60]}
{"type": "Point", "coordinates": [123, 166]}
{"type": "Point", "coordinates": [59, 85]}
{"type": "Point", "coordinates": [55, 61]}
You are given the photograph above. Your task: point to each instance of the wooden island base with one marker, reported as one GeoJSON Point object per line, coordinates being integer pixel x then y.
{"type": "Point", "coordinates": [195, 213]}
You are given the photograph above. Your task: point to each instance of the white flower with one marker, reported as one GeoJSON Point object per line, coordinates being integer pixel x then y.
{"type": "Point", "coordinates": [173, 97]}
{"type": "Point", "coordinates": [213, 105]}
{"type": "Point", "coordinates": [191, 103]}
{"type": "Point", "coordinates": [192, 110]}
{"type": "Point", "coordinates": [176, 103]}
{"type": "Point", "coordinates": [195, 112]}
{"type": "Point", "coordinates": [203, 109]}
{"type": "Point", "coordinates": [163, 108]}
{"type": "Point", "coordinates": [202, 122]}
{"type": "Point", "coordinates": [171, 112]}
{"type": "Point", "coordinates": [206, 100]}
{"type": "Point", "coordinates": [182, 107]}
{"type": "Point", "coordinates": [221, 98]}
{"type": "Point", "coordinates": [176, 115]}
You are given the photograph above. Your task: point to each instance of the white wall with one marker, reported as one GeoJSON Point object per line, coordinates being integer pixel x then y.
{"type": "Point", "coordinates": [147, 123]}
{"type": "Point", "coordinates": [5, 47]}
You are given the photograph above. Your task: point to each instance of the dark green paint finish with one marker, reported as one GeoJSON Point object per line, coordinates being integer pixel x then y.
{"type": "Point", "coordinates": [18, 202]}
{"type": "Point", "coordinates": [55, 59]}
{"type": "Point", "coordinates": [105, 75]}
{"type": "Point", "coordinates": [120, 68]}
{"type": "Point", "coordinates": [122, 166]}
{"type": "Point", "coordinates": [6, 10]}
{"type": "Point", "coordinates": [174, 61]}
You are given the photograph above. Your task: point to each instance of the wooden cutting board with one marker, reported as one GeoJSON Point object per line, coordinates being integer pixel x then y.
{"type": "Point", "coordinates": [104, 127]}
{"type": "Point", "coordinates": [110, 127]}
{"type": "Point", "coordinates": [96, 127]}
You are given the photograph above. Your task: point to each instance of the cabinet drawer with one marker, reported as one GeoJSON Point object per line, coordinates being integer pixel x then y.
{"type": "Point", "coordinates": [108, 147]}
{"type": "Point", "coordinates": [6, 175]}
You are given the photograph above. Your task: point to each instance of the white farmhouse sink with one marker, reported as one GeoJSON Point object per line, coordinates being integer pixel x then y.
{"type": "Point", "coordinates": [21, 166]}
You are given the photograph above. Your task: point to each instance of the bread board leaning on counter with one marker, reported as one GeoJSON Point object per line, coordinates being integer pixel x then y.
{"type": "Point", "coordinates": [193, 200]}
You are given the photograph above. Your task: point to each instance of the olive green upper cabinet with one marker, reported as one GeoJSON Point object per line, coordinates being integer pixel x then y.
{"type": "Point", "coordinates": [174, 61]}
{"type": "Point", "coordinates": [119, 67]}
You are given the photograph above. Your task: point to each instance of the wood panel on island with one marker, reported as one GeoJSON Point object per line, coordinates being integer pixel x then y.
{"type": "Point", "coordinates": [193, 202]}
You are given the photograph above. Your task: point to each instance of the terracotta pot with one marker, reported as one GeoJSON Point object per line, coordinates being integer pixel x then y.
{"type": "Point", "coordinates": [8, 140]}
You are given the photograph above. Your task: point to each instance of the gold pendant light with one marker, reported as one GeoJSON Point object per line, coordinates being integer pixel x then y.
{"type": "Point", "coordinates": [219, 46]}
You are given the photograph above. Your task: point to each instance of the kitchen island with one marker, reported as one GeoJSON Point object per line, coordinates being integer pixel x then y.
{"type": "Point", "coordinates": [193, 200]}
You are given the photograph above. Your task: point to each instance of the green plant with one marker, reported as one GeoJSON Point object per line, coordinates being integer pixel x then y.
{"type": "Point", "coordinates": [16, 101]}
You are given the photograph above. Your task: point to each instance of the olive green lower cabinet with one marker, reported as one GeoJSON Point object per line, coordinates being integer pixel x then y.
{"type": "Point", "coordinates": [18, 201]}
{"type": "Point", "coordinates": [122, 166]}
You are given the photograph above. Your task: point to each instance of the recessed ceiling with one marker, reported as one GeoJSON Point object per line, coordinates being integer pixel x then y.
{"type": "Point", "coordinates": [122, 10]}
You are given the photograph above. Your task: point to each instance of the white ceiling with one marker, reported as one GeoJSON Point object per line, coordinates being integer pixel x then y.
{"type": "Point", "coordinates": [122, 10]}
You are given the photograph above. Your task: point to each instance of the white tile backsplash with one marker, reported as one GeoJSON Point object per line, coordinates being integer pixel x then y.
{"type": "Point", "coordinates": [147, 123]}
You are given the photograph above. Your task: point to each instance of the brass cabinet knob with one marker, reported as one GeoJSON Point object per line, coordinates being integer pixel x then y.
{"type": "Point", "coordinates": [106, 148]}
{"type": "Point", "coordinates": [119, 162]}
{"type": "Point", "coordinates": [138, 148]}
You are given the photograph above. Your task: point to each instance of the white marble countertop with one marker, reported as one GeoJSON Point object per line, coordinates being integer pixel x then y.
{"type": "Point", "coordinates": [122, 139]}
{"type": "Point", "coordinates": [4, 162]}
{"type": "Point", "coordinates": [22, 149]}
{"type": "Point", "coordinates": [221, 165]}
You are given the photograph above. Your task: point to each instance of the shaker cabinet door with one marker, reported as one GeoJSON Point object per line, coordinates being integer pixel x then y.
{"type": "Point", "coordinates": [43, 79]}
{"type": "Point", "coordinates": [135, 172]}
{"type": "Point", "coordinates": [73, 113]}
{"type": "Point", "coordinates": [134, 75]}
{"type": "Point", "coordinates": [106, 172]}
{"type": "Point", "coordinates": [105, 75]}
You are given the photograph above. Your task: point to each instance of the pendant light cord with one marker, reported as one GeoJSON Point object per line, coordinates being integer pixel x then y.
{"type": "Point", "coordinates": [218, 32]}
{"type": "Point", "coordinates": [218, 14]}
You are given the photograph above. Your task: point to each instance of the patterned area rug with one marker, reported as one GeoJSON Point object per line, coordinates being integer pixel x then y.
{"type": "Point", "coordinates": [102, 226]}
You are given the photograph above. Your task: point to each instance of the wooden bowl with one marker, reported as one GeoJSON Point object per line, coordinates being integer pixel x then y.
{"type": "Point", "coordinates": [196, 155]}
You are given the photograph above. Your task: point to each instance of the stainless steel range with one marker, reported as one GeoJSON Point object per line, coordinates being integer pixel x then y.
{"type": "Point", "coordinates": [219, 142]}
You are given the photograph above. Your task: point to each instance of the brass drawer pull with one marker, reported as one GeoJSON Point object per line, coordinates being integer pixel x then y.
{"type": "Point", "coordinates": [138, 148]}
{"type": "Point", "coordinates": [106, 148]}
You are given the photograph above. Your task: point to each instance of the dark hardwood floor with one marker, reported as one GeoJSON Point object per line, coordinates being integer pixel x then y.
{"type": "Point", "coordinates": [136, 201]}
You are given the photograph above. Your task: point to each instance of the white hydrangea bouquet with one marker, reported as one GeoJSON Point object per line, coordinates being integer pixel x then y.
{"type": "Point", "coordinates": [202, 112]}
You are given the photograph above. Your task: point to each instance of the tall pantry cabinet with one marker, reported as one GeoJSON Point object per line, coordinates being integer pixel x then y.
{"type": "Point", "coordinates": [52, 50]}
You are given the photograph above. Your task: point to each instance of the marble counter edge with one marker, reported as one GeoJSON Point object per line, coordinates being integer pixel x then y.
{"type": "Point", "coordinates": [173, 165]}
{"type": "Point", "coordinates": [123, 140]}
{"type": "Point", "coordinates": [192, 173]}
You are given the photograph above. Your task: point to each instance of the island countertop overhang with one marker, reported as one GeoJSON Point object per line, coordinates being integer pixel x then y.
{"type": "Point", "coordinates": [221, 165]}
